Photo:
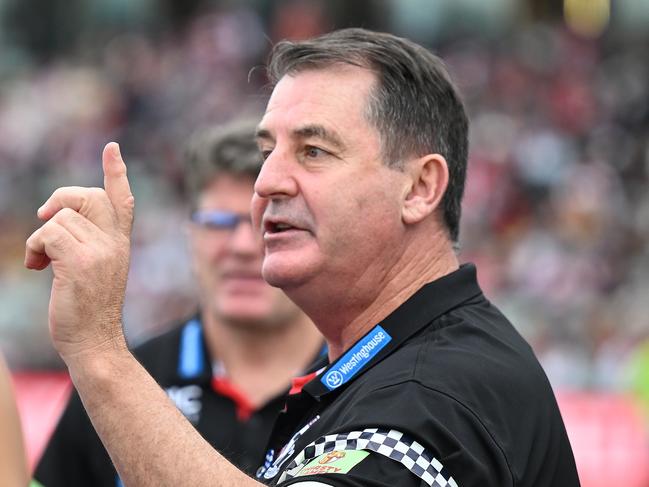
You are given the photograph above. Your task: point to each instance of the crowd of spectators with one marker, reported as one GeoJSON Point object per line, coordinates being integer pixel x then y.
{"type": "Point", "coordinates": [556, 213]}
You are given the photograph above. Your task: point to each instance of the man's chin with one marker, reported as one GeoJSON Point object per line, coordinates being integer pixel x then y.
{"type": "Point", "coordinates": [252, 315]}
{"type": "Point", "coordinates": [283, 275]}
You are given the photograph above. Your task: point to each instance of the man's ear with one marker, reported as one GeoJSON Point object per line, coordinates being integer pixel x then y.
{"type": "Point", "coordinates": [428, 182]}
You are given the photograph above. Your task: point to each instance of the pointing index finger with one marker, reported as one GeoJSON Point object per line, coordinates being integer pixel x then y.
{"type": "Point", "coordinates": [117, 186]}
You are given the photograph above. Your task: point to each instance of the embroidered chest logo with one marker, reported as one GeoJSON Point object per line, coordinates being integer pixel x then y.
{"type": "Point", "coordinates": [188, 400]}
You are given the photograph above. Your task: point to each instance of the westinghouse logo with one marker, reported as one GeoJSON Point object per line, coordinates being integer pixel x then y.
{"type": "Point", "coordinates": [334, 379]}
{"type": "Point", "coordinates": [356, 358]}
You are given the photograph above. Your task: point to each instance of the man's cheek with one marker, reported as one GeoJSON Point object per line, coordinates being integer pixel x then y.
{"type": "Point", "coordinates": [257, 207]}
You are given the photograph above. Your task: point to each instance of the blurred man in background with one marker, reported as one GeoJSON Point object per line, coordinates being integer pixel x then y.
{"type": "Point", "coordinates": [227, 368]}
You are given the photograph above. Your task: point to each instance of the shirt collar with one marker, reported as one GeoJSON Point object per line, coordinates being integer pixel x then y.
{"type": "Point", "coordinates": [430, 302]}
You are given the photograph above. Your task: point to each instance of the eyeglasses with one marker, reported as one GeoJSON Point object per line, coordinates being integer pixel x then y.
{"type": "Point", "coordinates": [218, 219]}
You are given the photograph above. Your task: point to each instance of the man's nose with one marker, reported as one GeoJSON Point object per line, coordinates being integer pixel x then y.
{"type": "Point", "coordinates": [277, 176]}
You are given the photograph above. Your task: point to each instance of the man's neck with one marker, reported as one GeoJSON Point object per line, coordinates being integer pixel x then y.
{"type": "Point", "coordinates": [360, 307]}
{"type": "Point", "coordinates": [260, 362]}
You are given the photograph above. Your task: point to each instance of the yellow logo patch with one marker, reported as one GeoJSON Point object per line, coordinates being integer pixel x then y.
{"type": "Point", "coordinates": [337, 461]}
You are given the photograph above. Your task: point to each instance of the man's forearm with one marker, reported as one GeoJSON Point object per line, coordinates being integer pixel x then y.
{"type": "Point", "coordinates": [149, 441]}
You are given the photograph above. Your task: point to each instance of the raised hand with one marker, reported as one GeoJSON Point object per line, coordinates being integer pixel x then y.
{"type": "Point", "coordinates": [86, 238]}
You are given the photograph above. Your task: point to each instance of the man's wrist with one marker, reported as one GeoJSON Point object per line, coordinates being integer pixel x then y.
{"type": "Point", "coordinates": [97, 360]}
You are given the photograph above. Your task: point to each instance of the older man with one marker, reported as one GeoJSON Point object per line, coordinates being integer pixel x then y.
{"type": "Point", "coordinates": [365, 142]}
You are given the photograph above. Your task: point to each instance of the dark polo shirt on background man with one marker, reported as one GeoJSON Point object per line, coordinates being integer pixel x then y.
{"type": "Point", "coordinates": [179, 362]}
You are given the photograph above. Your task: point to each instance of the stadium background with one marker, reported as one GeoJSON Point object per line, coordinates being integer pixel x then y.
{"type": "Point", "coordinates": [556, 210]}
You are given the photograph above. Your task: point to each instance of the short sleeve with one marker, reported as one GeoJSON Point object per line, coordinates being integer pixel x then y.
{"type": "Point", "coordinates": [368, 457]}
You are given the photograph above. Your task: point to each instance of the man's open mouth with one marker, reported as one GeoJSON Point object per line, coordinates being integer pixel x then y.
{"type": "Point", "coordinates": [278, 227]}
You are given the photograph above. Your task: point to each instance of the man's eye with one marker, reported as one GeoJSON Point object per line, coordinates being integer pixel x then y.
{"type": "Point", "coordinates": [314, 152]}
{"type": "Point", "coordinates": [265, 154]}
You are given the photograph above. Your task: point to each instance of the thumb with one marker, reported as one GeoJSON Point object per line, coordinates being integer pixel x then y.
{"type": "Point", "coordinates": [117, 187]}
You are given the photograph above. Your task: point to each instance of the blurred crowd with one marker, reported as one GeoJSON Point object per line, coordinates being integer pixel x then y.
{"type": "Point", "coordinates": [556, 213]}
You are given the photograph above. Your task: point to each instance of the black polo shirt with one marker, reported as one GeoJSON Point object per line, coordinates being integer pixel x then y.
{"type": "Point", "coordinates": [179, 362]}
{"type": "Point", "coordinates": [443, 392]}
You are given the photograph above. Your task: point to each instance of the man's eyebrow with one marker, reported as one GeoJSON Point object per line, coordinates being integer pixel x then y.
{"type": "Point", "coordinates": [320, 132]}
{"type": "Point", "coordinates": [305, 132]}
{"type": "Point", "coordinates": [263, 134]}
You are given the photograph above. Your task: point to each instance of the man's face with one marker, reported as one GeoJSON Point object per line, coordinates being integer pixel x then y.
{"type": "Point", "coordinates": [227, 261]}
{"type": "Point", "coordinates": [328, 208]}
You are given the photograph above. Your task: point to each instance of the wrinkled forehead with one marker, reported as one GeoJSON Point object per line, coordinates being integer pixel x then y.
{"type": "Point", "coordinates": [334, 98]}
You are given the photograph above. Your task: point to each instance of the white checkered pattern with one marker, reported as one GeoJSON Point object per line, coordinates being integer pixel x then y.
{"type": "Point", "coordinates": [389, 443]}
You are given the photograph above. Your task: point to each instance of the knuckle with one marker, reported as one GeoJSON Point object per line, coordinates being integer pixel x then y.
{"type": "Point", "coordinates": [129, 202]}
{"type": "Point", "coordinates": [59, 191]}
{"type": "Point", "coordinates": [97, 192]}
{"type": "Point", "coordinates": [64, 191]}
{"type": "Point", "coordinates": [32, 242]}
{"type": "Point", "coordinates": [64, 215]}
{"type": "Point", "coordinates": [53, 236]}
{"type": "Point", "coordinates": [98, 197]}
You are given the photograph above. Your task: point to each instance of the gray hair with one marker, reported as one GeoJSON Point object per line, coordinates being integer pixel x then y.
{"type": "Point", "coordinates": [229, 149]}
{"type": "Point", "coordinates": [414, 105]}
